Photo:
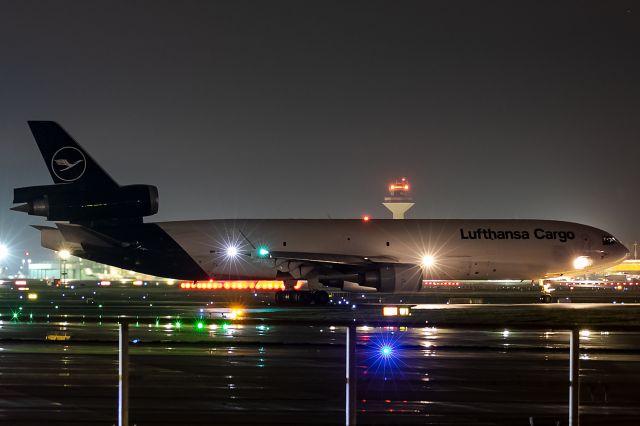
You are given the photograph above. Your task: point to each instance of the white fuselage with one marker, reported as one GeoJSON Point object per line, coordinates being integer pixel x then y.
{"type": "Point", "coordinates": [460, 249]}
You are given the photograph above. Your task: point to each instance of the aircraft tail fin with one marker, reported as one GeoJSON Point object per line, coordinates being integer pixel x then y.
{"type": "Point", "coordinates": [66, 160]}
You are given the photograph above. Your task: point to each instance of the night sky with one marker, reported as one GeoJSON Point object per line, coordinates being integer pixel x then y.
{"type": "Point", "coordinates": [308, 109]}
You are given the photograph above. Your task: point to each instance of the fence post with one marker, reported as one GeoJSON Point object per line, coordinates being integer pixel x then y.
{"type": "Point", "coordinates": [351, 377]}
{"type": "Point", "coordinates": [574, 378]}
{"type": "Point", "coordinates": [123, 374]}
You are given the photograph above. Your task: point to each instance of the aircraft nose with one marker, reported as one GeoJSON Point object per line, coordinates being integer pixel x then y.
{"type": "Point", "coordinates": [622, 252]}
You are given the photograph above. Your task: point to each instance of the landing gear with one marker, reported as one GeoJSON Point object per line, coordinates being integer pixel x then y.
{"type": "Point", "coordinates": [294, 297]}
{"type": "Point", "coordinates": [321, 297]}
{"type": "Point", "coordinates": [545, 298]}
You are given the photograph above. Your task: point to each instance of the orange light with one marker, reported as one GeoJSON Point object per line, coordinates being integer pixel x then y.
{"type": "Point", "coordinates": [406, 187]}
{"type": "Point", "coordinates": [298, 285]}
{"type": "Point", "coordinates": [235, 285]}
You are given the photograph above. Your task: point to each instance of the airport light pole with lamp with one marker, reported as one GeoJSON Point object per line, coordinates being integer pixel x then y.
{"type": "Point", "coordinates": [4, 252]}
{"type": "Point", "coordinates": [64, 255]}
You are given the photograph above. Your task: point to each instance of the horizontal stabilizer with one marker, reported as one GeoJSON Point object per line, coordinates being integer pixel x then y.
{"type": "Point", "coordinates": [44, 228]}
{"type": "Point", "coordinates": [82, 235]}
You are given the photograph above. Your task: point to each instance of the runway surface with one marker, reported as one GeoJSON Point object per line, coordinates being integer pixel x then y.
{"type": "Point", "coordinates": [293, 375]}
{"type": "Point", "coordinates": [244, 372]}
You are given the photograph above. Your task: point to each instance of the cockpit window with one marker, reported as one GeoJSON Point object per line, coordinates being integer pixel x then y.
{"type": "Point", "coordinates": [608, 240]}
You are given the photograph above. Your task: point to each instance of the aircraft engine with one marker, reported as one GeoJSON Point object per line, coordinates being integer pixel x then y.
{"type": "Point", "coordinates": [385, 279]}
{"type": "Point", "coordinates": [71, 203]}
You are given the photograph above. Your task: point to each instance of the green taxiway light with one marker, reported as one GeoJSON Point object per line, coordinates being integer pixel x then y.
{"type": "Point", "coordinates": [199, 325]}
{"type": "Point", "coordinates": [263, 252]}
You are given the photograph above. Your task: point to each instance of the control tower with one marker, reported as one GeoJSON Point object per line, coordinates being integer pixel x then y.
{"type": "Point", "coordinates": [399, 200]}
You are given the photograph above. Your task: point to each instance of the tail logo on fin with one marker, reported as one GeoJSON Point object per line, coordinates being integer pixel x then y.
{"type": "Point", "coordinates": [68, 163]}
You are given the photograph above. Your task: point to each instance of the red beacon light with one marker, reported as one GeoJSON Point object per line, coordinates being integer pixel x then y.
{"type": "Point", "coordinates": [401, 186]}
{"type": "Point", "coordinates": [366, 218]}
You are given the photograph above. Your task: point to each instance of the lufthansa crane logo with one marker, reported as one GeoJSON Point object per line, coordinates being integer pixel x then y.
{"type": "Point", "coordinates": [68, 164]}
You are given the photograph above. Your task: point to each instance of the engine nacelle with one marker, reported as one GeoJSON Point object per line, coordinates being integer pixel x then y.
{"type": "Point", "coordinates": [71, 203]}
{"type": "Point", "coordinates": [385, 279]}
{"type": "Point", "coordinates": [397, 278]}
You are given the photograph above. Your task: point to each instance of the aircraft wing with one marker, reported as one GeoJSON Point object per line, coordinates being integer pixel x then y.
{"type": "Point", "coordinates": [329, 258]}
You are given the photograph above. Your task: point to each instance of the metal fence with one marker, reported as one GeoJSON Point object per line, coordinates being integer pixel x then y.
{"type": "Point", "coordinates": [350, 328]}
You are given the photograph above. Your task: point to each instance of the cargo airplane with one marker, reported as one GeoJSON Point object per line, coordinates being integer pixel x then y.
{"type": "Point", "coordinates": [98, 219]}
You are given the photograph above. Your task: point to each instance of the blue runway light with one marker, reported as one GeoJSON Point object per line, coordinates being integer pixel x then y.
{"type": "Point", "coordinates": [386, 351]}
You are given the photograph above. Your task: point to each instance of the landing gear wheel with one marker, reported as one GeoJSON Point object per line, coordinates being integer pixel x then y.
{"type": "Point", "coordinates": [321, 297]}
{"type": "Point", "coordinates": [294, 297]}
{"type": "Point", "coordinates": [301, 297]}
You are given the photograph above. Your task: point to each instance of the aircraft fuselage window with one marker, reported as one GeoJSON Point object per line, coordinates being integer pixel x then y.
{"type": "Point", "coordinates": [608, 240]}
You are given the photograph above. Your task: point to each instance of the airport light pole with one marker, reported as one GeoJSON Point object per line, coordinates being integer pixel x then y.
{"type": "Point", "coordinates": [64, 255]}
{"type": "Point", "coordinates": [4, 252]}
